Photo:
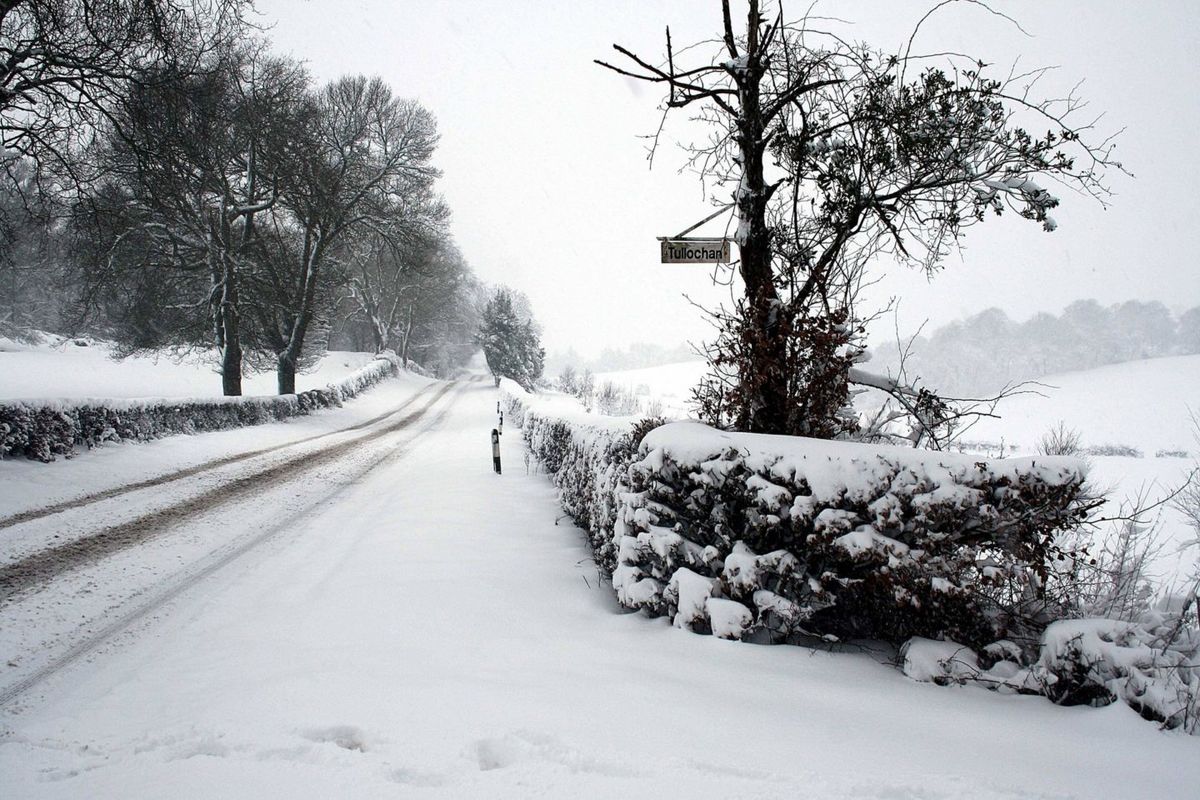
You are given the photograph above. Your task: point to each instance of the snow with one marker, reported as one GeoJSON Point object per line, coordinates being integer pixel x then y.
{"type": "Point", "coordinates": [832, 467]}
{"type": "Point", "coordinates": [938, 662]}
{"type": "Point", "coordinates": [1143, 404]}
{"type": "Point", "coordinates": [433, 629]}
{"type": "Point", "coordinates": [671, 384]}
{"type": "Point", "coordinates": [729, 619]}
{"type": "Point", "coordinates": [61, 368]}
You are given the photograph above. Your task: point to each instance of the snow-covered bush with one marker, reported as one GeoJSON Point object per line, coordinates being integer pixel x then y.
{"type": "Point", "coordinates": [1153, 665]}
{"type": "Point", "coordinates": [778, 539]}
{"type": "Point", "coordinates": [44, 429]}
{"type": "Point", "coordinates": [841, 539]}
{"type": "Point", "coordinates": [811, 537]}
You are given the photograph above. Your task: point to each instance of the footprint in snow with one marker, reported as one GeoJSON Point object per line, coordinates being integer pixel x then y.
{"type": "Point", "coordinates": [499, 752]}
{"type": "Point", "coordinates": [347, 737]}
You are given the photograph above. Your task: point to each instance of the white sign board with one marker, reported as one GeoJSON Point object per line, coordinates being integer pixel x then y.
{"type": "Point", "coordinates": [695, 251]}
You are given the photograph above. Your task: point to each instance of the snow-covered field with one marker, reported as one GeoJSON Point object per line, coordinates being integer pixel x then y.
{"type": "Point", "coordinates": [670, 384]}
{"type": "Point", "coordinates": [432, 629]}
{"type": "Point", "coordinates": [1142, 404]}
{"type": "Point", "coordinates": [59, 367]}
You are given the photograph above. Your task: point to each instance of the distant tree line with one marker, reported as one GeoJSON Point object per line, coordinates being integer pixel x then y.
{"type": "Point", "coordinates": [984, 352]}
{"type": "Point", "coordinates": [188, 188]}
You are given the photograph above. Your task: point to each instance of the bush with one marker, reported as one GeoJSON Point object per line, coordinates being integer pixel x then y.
{"type": "Point", "coordinates": [1060, 441]}
{"type": "Point", "coordinates": [1123, 450]}
{"type": "Point", "coordinates": [844, 540]}
{"type": "Point", "coordinates": [782, 539]}
{"type": "Point", "coordinates": [1153, 665]}
{"type": "Point", "coordinates": [42, 430]}
{"type": "Point", "coordinates": [810, 537]}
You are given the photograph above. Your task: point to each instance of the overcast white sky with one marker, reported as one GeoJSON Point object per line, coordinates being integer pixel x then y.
{"type": "Point", "coordinates": [550, 188]}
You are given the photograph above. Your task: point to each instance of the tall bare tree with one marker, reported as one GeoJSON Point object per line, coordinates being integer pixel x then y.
{"type": "Point", "coordinates": [835, 155]}
{"type": "Point", "coordinates": [368, 154]}
{"type": "Point", "coordinates": [390, 268]}
{"type": "Point", "coordinates": [191, 162]}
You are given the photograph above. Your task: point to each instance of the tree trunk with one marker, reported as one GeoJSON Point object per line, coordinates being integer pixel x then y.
{"type": "Point", "coordinates": [767, 409]}
{"type": "Point", "coordinates": [285, 373]}
{"type": "Point", "coordinates": [231, 355]}
{"type": "Point", "coordinates": [290, 357]}
{"type": "Point", "coordinates": [224, 305]}
{"type": "Point", "coordinates": [407, 336]}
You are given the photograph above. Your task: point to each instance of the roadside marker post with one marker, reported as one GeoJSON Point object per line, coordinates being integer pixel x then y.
{"type": "Point", "coordinates": [496, 450]}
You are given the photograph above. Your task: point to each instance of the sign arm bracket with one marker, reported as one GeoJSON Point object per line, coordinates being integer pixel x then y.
{"type": "Point", "coordinates": [711, 216]}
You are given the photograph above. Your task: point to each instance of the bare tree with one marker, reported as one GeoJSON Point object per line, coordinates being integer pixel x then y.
{"type": "Point", "coordinates": [64, 64]}
{"type": "Point", "coordinates": [191, 162]}
{"type": "Point", "coordinates": [835, 155]}
{"type": "Point", "coordinates": [390, 270]}
{"type": "Point", "coordinates": [367, 154]}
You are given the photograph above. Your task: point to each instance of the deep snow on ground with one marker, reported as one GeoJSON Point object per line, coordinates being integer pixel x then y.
{"type": "Point", "coordinates": [670, 384]}
{"type": "Point", "coordinates": [59, 367]}
{"type": "Point", "coordinates": [1143, 404]}
{"type": "Point", "coordinates": [437, 630]}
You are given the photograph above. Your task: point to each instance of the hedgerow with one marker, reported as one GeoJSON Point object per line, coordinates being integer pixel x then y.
{"type": "Point", "coordinates": [44, 429]}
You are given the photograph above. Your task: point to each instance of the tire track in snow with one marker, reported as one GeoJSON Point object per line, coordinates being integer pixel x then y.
{"type": "Point", "coordinates": [179, 583]}
{"type": "Point", "coordinates": [79, 502]}
{"type": "Point", "coordinates": [44, 565]}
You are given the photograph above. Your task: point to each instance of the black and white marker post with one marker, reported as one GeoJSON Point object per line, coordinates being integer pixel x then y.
{"type": "Point", "coordinates": [501, 428]}
{"type": "Point", "coordinates": [496, 450]}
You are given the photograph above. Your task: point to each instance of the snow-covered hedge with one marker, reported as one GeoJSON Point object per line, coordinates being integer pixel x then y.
{"type": "Point", "coordinates": [779, 539]}
{"type": "Point", "coordinates": [43, 429]}
{"type": "Point", "coordinates": [1153, 665]}
{"type": "Point", "coordinates": [811, 537]}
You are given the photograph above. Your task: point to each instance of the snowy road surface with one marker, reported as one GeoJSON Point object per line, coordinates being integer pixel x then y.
{"type": "Point", "coordinates": [375, 614]}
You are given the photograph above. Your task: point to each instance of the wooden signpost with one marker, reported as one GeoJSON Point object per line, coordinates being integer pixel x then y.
{"type": "Point", "coordinates": [684, 249]}
{"type": "Point", "coordinates": [695, 251]}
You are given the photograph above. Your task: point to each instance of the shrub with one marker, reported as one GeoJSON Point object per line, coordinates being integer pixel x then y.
{"type": "Point", "coordinates": [781, 539]}
{"type": "Point", "coordinates": [1059, 441]}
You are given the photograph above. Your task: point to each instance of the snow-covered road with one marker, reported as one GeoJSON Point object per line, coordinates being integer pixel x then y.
{"type": "Point", "coordinates": [406, 623]}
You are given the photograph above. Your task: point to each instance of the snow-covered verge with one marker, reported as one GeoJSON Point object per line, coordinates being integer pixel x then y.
{"type": "Point", "coordinates": [43, 429]}
{"type": "Point", "coordinates": [58, 366]}
{"type": "Point", "coordinates": [784, 539]}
